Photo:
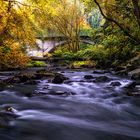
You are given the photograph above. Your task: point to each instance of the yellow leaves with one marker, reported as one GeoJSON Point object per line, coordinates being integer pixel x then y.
{"type": "Point", "coordinates": [13, 58]}
{"type": "Point", "coordinates": [83, 23]}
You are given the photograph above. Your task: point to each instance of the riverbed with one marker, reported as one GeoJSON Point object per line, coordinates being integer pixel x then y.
{"type": "Point", "coordinates": [93, 110]}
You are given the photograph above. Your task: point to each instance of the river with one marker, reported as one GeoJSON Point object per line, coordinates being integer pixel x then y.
{"type": "Point", "coordinates": [97, 111]}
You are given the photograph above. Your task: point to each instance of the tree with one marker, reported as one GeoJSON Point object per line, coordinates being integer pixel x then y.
{"type": "Point", "coordinates": [63, 17]}
{"type": "Point", "coordinates": [122, 13]}
{"type": "Point", "coordinates": [17, 31]}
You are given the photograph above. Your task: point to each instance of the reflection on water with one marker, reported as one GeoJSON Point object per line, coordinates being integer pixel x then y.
{"type": "Point", "coordinates": [96, 112]}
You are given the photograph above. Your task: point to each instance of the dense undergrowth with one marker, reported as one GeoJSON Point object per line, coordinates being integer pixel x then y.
{"type": "Point", "coordinates": [12, 57]}
{"type": "Point", "coordinates": [110, 50]}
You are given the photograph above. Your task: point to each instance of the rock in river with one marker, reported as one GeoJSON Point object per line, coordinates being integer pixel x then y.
{"type": "Point", "coordinates": [7, 114]}
{"type": "Point", "coordinates": [100, 71]}
{"type": "Point", "coordinates": [135, 74]}
{"type": "Point", "coordinates": [114, 84]}
{"type": "Point", "coordinates": [61, 93]}
{"type": "Point", "coordinates": [59, 78]}
{"type": "Point", "coordinates": [56, 93]}
{"type": "Point", "coordinates": [102, 79]}
{"type": "Point", "coordinates": [88, 77]}
{"type": "Point", "coordinates": [133, 89]}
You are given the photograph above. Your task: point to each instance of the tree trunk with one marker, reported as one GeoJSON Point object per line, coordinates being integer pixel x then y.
{"type": "Point", "coordinates": [136, 10]}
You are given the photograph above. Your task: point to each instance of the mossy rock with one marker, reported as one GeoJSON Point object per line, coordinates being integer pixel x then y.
{"type": "Point", "coordinates": [83, 64]}
{"type": "Point", "coordinates": [135, 74]}
{"type": "Point", "coordinates": [59, 78]}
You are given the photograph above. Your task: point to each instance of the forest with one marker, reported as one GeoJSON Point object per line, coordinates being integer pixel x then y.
{"type": "Point", "coordinates": [69, 69]}
{"type": "Point", "coordinates": [112, 26]}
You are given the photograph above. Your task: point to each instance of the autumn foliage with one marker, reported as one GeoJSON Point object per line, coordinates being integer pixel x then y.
{"type": "Point", "coordinates": [12, 57]}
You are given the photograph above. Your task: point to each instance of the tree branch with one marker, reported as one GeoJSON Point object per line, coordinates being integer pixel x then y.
{"type": "Point", "coordinates": [126, 32]}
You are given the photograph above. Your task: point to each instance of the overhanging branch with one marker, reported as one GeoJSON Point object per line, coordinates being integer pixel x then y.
{"type": "Point", "coordinates": [118, 24]}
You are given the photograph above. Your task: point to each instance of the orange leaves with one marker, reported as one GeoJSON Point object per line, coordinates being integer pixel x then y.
{"type": "Point", "coordinates": [13, 58]}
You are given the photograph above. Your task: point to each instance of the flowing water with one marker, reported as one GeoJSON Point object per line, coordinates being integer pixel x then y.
{"type": "Point", "coordinates": [97, 111]}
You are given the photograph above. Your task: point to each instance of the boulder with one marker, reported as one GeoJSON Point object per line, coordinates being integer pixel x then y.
{"type": "Point", "coordinates": [133, 89]}
{"type": "Point", "coordinates": [24, 77]}
{"type": "Point", "coordinates": [59, 78]}
{"type": "Point", "coordinates": [9, 109]}
{"type": "Point", "coordinates": [102, 79]}
{"type": "Point", "coordinates": [41, 71]}
{"type": "Point", "coordinates": [135, 62]}
{"type": "Point", "coordinates": [131, 85]}
{"type": "Point", "coordinates": [88, 77]}
{"type": "Point", "coordinates": [122, 72]}
{"type": "Point", "coordinates": [31, 82]}
{"type": "Point", "coordinates": [130, 67]}
{"type": "Point", "coordinates": [43, 75]}
{"type": "Point", "coordinates": [135, 74]}
{"type": "Point", "coordinates": [114, 84]}
{"type": "Point", "coordinates": [7, 114]}
{"type": "Point", "coordinates": [120, 68]}
{"type": "Point", "coordinates": [12, 80]}
{"type": "Point", "coordinates": [100, 71]}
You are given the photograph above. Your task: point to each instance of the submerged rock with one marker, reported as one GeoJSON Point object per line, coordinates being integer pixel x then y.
{"type": "Point", "coordinates": [5, 118]}
{"type": "Point", "coordinates": [59, 78]}
{"type": "Point", "coordinates": [102, 79]}
{"type": "Point", "coordinates": [114, 84]}
{"type": "Point", "coordinates": [100, 71]}
{"type": "Point", "coordinates": [52, 92]}
{"type": "Point", "coordinates": [131, 85]}
{"type": "Point", "coordinates": [7, 114]}
{"type": "Point", "coordinates": [88, 77]}
{"type": "Point", "coordinates": [133, 88]}
{"type": "Point", "coordinates": [31, 82]}
{"type": "Point", "coordinates": [61, 93]}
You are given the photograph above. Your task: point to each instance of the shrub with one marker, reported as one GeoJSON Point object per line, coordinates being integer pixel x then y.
{"type": "Point", "coordinates": [83, 64]}
{"type": "Point", "coordinates": [36, 64]}
{"type": "Point", "coordinates": [12, 57]}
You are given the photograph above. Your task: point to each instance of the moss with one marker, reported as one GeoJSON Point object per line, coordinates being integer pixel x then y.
{"type": "Point", "coordinates": [36, 64]}
{"type": "Point", "coordinates": [83, 64]}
